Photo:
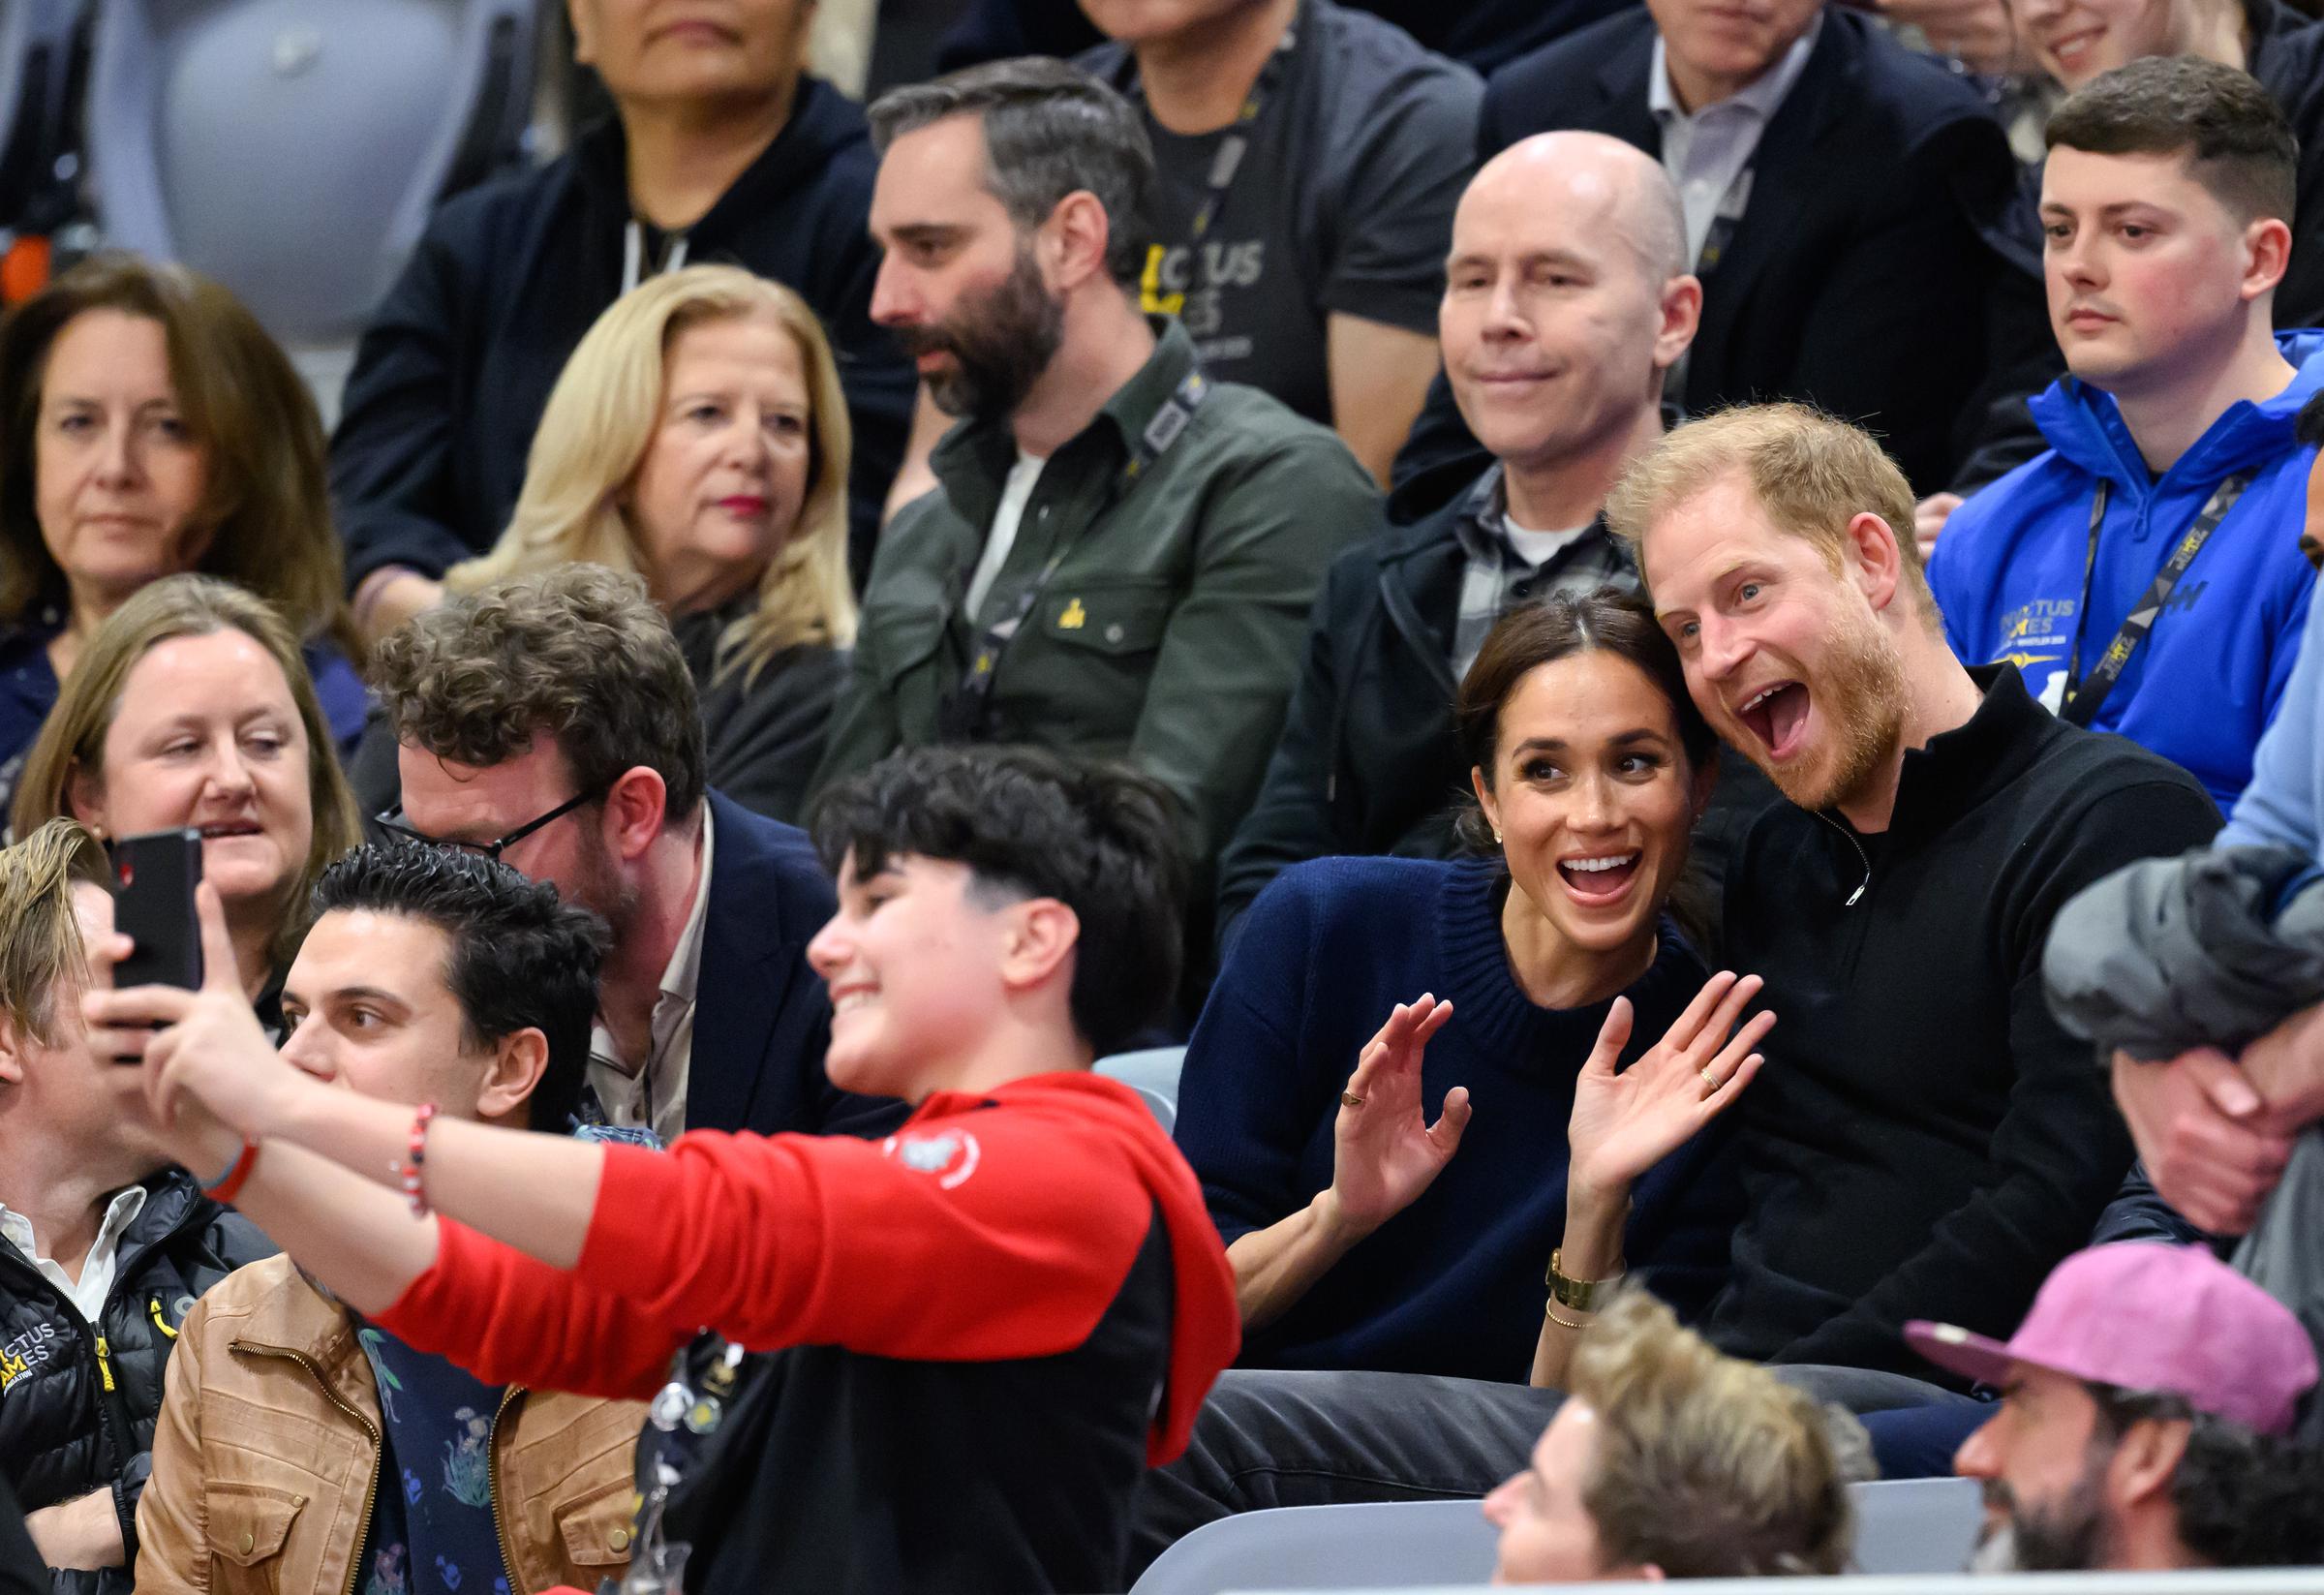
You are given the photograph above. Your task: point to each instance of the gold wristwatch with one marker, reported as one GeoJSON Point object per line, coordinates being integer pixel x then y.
{"type": "Point", "coordinates": [1581, 1295]}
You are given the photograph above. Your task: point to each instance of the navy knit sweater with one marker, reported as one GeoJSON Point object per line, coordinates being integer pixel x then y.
{"type": "Point", "coordinates": [1452, 1284]}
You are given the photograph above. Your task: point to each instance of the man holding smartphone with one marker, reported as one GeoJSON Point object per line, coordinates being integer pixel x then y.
{"type": "Point", "coordinates": [106, 1245]}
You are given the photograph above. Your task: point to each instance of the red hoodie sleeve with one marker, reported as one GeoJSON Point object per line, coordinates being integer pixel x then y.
{"type": "Point", "coordinates": [977, 1236]}
{"type": "Point", "coordinates": [510, 1319]}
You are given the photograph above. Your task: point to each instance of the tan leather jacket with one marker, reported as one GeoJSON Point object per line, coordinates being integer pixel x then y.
{"type": "Point", "coordinates": [268, 1447]}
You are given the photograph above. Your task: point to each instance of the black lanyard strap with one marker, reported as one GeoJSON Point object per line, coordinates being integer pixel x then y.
{"type": "Point", "coordinates": [2084, 696]}
{"type": "Point", "coordinates": [1227, 164]}
{"type": "Point", "coordinates": [964, 715]}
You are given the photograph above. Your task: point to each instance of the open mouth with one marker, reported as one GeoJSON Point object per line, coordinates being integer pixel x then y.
{"type": "Point", "coordinates": [1778, 715]}
{"type": "Point", "coordinates": [231, 828]}
{"type": "Point", "coordinates": [851, 998]}
{"type": "Point", "coordinates": [1603, 879]}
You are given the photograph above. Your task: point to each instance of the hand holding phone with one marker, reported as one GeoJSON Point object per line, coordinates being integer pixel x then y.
{"type": "Point", "coordinates": [154, 877]}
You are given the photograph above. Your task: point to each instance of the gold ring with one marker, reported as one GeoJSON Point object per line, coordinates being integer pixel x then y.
{"type": "Point", "coordinates": [1349, 1099]}
{"type": "Point", "coordinates": [1709, 1079]}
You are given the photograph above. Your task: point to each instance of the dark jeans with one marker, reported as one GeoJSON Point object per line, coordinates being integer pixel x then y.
{"type": "Point", "coordinates": [1273, 1438]}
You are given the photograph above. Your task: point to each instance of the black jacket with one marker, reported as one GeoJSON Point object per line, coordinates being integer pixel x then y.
{"type": "Point", "coordinates": [2287, 57]}
{"type": "Point", "coordinates": [21, 1572]}
{"type": "Point", "coordinates": [451, 375]}
{"type": "Point", "coordinates": [1367, 762]}
{"type": "Point", "coordinates": [1879, 270]}
{"type": "Point", "coordinates": [73, 1420]}
{"type": "Point", "coordinates": [1927, 1141]}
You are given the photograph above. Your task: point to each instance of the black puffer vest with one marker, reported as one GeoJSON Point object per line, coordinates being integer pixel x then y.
{"type": "Point", "coordinates": [78, 1400]}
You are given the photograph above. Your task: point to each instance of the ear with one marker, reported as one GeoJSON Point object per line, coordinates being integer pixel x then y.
{"type": "Point", "coordinates": [2267, 252]}
{"type": "Point", "coordinates": [1651, 1573]}
{"type": "Point", "coordinates": [1682, 316]}
{"type": "Point", "coordinates": [1038, 943]}
{"type": "Point", "coordinates": [84, 795]}
{"type": "Point", "coordinates": [511, 1076]}
{"type": "Point", "coordinates": [1074, 240]}
{"type": "Point", "coordinates": [2146, 1461]}
{"type": "Point", "coordinates": [636, 807]}
{"type": "Point", "coordinates": [1485, 798]}
{"type": "Point", "coordinates": [11, 1055]}
{"type": "Point", "coordinates": [1875, 560]}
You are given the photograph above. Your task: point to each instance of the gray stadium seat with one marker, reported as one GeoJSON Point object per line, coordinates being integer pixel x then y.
{"type": "Point", "coordinates": [1401, 1543]}
{"type": "Point", "coordinates": [1916, 1525]}
{"type": "Point", "coordinates": [293, 149]}
{"type": "Point", "coordinates": [1903, 1526]}
{"type": "Point", "coordinates": [37, 42]}
{"type": "Point", "coordinates": [1153, 1074]}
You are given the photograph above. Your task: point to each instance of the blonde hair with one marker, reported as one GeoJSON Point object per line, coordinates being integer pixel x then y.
{"type": "Point", "coordinates": [1812, 474]}
{"type": "Point", "coordinates": [72, 740]}
{"type": "Point", "coordinates": [1708, 1466]}
{"type": "Point", "coordinates": [599, 423]}
{"type": "Point", "coordinates": [42, 958]}
{"type": "Point", "coordinates": [266, 501]}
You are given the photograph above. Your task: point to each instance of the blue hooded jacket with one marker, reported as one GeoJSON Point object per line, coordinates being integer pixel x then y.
{"type": "Point", "coordinates": [2010, 568]}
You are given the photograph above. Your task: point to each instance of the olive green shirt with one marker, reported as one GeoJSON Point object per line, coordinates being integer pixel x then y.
{"type": "Point", "coordinates": [1169, 633]}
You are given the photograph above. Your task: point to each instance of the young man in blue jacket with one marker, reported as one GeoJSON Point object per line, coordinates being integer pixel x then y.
{"type": "Point", "coordinates": [2143, 572]}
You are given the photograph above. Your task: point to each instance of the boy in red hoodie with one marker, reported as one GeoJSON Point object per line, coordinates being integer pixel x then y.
{"type": "Point", "coordinates": [936, 1362]}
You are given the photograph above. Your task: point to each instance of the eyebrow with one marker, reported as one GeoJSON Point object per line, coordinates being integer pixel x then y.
{"type": "Point", "coordinates": [926, 232]}
{"type": "Point", "coordinates": [1558, 745]}
{"type": "Point", "coordinates": [2118, 208]}
{"type": "Point", "coordinates": [351, 993]}
{"type": "Point", "coordinates": [1532, 258]}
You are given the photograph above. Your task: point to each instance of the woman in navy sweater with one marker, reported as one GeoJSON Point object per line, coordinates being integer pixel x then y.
{"type": "Point", "coordinates": [1358, 1238]}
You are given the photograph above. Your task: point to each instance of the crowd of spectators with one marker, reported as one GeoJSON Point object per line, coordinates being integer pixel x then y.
{"type": "Point", "coordinates": [1534, 590]}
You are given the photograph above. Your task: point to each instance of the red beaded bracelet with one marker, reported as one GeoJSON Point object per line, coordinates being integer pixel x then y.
{"type": "Point", "coordinates": [415, 1160]}
{"type": "Point", "coordinates": [231, 1186]}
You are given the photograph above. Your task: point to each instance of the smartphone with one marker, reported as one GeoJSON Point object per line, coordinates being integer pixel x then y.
{"type": "Point", "coordinates": [154, 877]}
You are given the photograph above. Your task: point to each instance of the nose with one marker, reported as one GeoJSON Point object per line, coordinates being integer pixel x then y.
{"type": "Point", "coordinates": [827, 953]}
{"type": "Point", "coordinates": [1721, 647]}
{"type": "Point", "coordinates": [1980, 1454]}
{"type": "Point", "coordinates": [306, 1049]}
{"type": "Point", "coordinates": [229, 772]}
{"type": "Point", "coordinates": [1496, 1505]}
{"type": "Point", "coordinates": [746, 442]}
{"type": "Point", "coordinates": [1594, 804]}
{"type": "Point", "coordinates": [117, 454]}
{"type": "Point", "coordinates": [1504, 315]}
{"type": "Point", "coordinates": [895, 297]}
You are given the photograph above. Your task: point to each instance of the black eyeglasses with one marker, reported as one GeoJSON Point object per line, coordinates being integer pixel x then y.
{"type": "Point", "coordinates": [391, 821]}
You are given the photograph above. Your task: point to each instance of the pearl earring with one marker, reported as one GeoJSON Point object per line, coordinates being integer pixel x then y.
{"type": "Point", "coordinates": [1496, 839]}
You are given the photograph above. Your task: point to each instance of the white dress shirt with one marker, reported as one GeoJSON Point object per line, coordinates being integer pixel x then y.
{"type": "Point", "coordinates": [654, 1094]}
{"type": "Point", "coordinates": [1705, 152]}
{"type": "Point", "coordinates": [88, 1294]}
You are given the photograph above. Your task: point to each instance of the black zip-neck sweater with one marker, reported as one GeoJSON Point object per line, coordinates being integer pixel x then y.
{"type": "Point", "coordinates": [1925, 1141]}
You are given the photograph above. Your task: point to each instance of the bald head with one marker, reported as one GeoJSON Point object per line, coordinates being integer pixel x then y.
{"type": "Point", "coordinates": [1598, 182]}
{"type": "Point", "coordinates": [1567, 299]}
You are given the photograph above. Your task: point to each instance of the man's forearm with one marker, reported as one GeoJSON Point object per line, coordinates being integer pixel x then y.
{"type": "Point", "coordinates": [2286, 1067]}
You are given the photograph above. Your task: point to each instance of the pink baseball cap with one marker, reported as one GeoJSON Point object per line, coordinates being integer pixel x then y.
{"type": "Point", "coordinates": [2144, 1315]}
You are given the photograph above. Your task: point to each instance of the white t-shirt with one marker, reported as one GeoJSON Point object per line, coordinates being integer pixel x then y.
{"type": "Point", "coordinates": [1015, 494]}
{"type": "Point", "coordinates": [1537, 548]}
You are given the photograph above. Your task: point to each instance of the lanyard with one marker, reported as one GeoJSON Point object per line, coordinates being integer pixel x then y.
{"type": "Point", "coordinates": [2083, 696]}
{"type": "Point", "coordinates": [1228, 162]}
{"type": "Point", "coordinates": [1730, 216]}
{"type": "Point", "coordinates": [964, 717]}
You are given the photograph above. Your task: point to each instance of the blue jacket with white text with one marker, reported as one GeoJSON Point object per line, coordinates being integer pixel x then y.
{"type": "Point", "coordinates": [2015, 578]}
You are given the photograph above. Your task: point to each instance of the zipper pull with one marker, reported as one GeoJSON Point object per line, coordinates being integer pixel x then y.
{"type": "Point", "coordinates": [105, 1364]}
{"type": "Point", "coordinates": [1858, 893]}
{"type": "Point", "coordinates": [153, 1305]}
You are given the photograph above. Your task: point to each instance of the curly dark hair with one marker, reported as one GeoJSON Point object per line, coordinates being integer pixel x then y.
{"type": "Point", "coordinates": [1100, 839]}
{"type": "Point", "coordinates": [578, 653]}
{"type": "Point", "coordinates": [519, 959]}
{"type": "Point", "coordinates": [2244, 1499]}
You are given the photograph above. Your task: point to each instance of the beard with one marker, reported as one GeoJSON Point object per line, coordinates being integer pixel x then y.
{"type": "Point", "coordinates": [599, 887]}
{"type": "Point", "coordinates": [1861, 692]}
{"type": "Point", "coordinates": [1000, 342]}
{"type": "Point", "coordinates": [2062, 1536]}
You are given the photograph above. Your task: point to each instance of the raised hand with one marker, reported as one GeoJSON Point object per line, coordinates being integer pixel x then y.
{"type": "Point", "coordinates": [208, 1063]}
{"type": "Point", "coordinates": [1385, 1152]}
{"type": "Point", "coordinates": [1625, 1123]}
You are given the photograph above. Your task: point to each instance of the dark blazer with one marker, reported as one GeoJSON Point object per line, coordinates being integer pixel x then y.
{"type": "Point", "coordinates": [1880, 269]}
{"type": "Point", "coordinates": [2287, 57]}
{"type": "Point", "coordinates": [761, 1016]}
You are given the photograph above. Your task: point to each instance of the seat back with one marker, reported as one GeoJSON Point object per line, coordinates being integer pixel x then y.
{"type": "Point", "coordinates": [293, 150]}
{"type": "Point", "coordinates": [38, 39]}
{"type": "Point", "coordinates": [1371, 1546]}
{"type": "Point", "coordinates": [1903, 1526]}
{"type": "Point", "coordinates": [1916, 1525]}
